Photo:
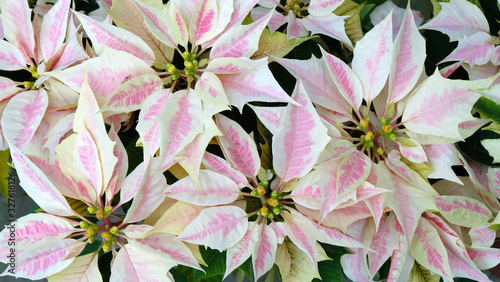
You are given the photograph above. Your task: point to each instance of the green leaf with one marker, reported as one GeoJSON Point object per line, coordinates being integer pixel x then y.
{"type": "Point", "coordinates": [276, 44]}
{"type": "Point", "coordinates": [331, 270]}
{"type": "Point", "coordinates": [216, 262]}
{"type": "Point", "coordinates": [353, 23]}
{"type": "Point", "coordinates": [421, 274]}
{"type": "Point", "coordinates": [90, 248]}
{"type": "Point", "coordinates": [4, 173]}
{"type": "Point", "coordinates": [178, 276]}
{"type": "Point", "coordinates": [488, 109]}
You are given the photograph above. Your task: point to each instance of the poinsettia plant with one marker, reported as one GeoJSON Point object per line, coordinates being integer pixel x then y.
{"type": "Point", "coordinates": [304, 140]}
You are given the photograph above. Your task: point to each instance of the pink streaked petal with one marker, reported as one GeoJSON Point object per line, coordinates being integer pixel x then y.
{"type": "Point", "coordinates": [10, 57]}
{"type": "Point", "coordinates": [384, 242]}
{"type": "Point", "coordinates": [449, 70]}
{"type": "Point", "coordinates": [53, 29]}
{"type": "Point", "coordinates": [116, 38]}
{"type": "Point", "coordinates": [161, 24]}
{"type": "Point", "coordinates": [37, 185]}
{"type": "Point", "coordinates": [165, 246]}
{"type": "Point", "coordinates": [8, 88]}
{"type": "Point", "coordinates": [177, 218]}
{"type": "Point", "coordinates": [87, 163]}
{"type": "Point", "coordinates": [44, 261]}
{"type": "Point", "coordinates": [210, 89]}
{"type": "Point", "coordinates": [135, 263]}
{"type": "Point", "coordinates": [484, 258]}
{"type": "Point", "coordinates": [276, 20]}
{"type": "Point", "coordinates": [401, 262]}
{"type": "Point", "coordinates": [218, 164]}
{"type": "Point", "coordinates": [320, 86]}
{"type": "Point", "coordinates": [408, 59]}
{"type": "Point", "coordinates": [279, 231]}
{"type": "Point", "coordinates": [256, 85]}
{"type": "Point", "coordinates": [345, 79]}
{"type": "Point", "coordinates": [414, 154]}
{"type": "Point", "coordinates": [428, 249]}
{"type": "Point", "coordinates": [269, 116]}
{"type": "Point", "coordinates": [190, 158]}
{"type": "Point", "coordinates": [355, 267]}
{"type": "Point", "coordinates": [70, 53]}
{"type": "Point", "coordinates": [241, 10]}
{"type": "Point", "coordinates": [298, 138]}
{"type": "Point", "coordinates": [37, 229]}
{"type": "Point", "coordinates": [482, 236]}
{"type": "Point", "coordinates": [330, 25]}
{"type": "Point", "coordinates": [467, 128]}
{"type": "Point", "coordinates": [230, 65]}
{"type": "Point", "coordinates": [23, 115]}
{"type": "Point", "coordinates": [181, 120]}
{"type": "Point", "coordinates": [463, 210]}
{"type": "Point", "coordinates": [330, 197]}
{"type": "Point", "coordinates": [149, 193]}
{"type": "Point", "coordinates": [373, 58]}
{"type": "Point", "coordinates": [307, 192]}
{"type": "Point", "coordinates": [406, 198]}
{"type": "Point", "coordinates": [238, 146]}
{"type": "Point", "coordinates": [440, 104]}
{"type": "Point", "coordinates": [264, 254]}
{"type": "Point", "coordinates": [461, 264]}
{"type": "Point", "coordinates": [204, 22]}
{"type": "Point", "coordinates": [216, 189]}
{"type": "Point", "coordinates": [335, 149]}
{"type": "Point", "coordinates": [54, 174]}
{"type": "Point", "coordinates": [352, 172]}
{"type": "Point", "coordinates": [131, 95]}
{"type": "Point", "coordinates": [239, 253]}
{"type": "Point", "coordinates": [148, 126]}
{"type": "Point", "coordinates": [82, 267]}
{"type": "Point", "coordinates": [217, 227]}
{"type": "Point", "coordinates": [441, 158]}
{"type": "Point", "coordinates": [294, 27]}
{"type": "Point", "coordinates": [105, 73]}
{"type": "Point", "coordinates": [457, 19]}
{"type": "Point", "coordinates": [121, 167]}
{"type": "Point", "coordinates": [241, 41]}
{"type": "Point", "coordinates": [301, 237]}
{"type": "Point", "coordinates": [323, 7]}
{"type": "Point", "coordinates": [474, 50]}
{"type": "Point", "coordinates": [18, 30]}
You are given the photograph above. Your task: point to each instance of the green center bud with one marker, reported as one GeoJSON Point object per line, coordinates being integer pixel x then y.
{"type": "Point", "coordinates": [84, 225]}
{"type": "Point", "coordinates": [186, 55]}
{"type": "Point", "coordinates": [108, 209]}
{"type": "Point", "coordinates": [91, 210]}
{"type": "Point", "coordinates": [364, 124]}
{"type": "Point", "coordinates": [114, 230]}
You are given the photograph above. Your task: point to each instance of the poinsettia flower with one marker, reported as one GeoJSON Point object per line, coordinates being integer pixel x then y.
{"type": "Point", "coordinates": [464, 22]}
{"type": "Point", "coordinates": [44, 44]}
{"type": "Point", "coordinates": [216, 72]}
{"type": "Point", "coordinates": [224, 75]}
{"type": "Point", "coordinates": [237, 182]}
{"type": "Point", "coordinates": [302, 17]}
{"type": "Point", "coordinates": [90, 166]}
{"type": "Point", "coordinates": [411, 128]}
